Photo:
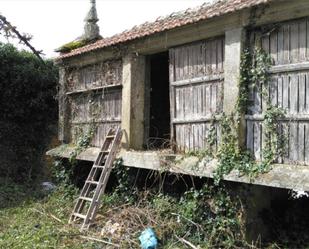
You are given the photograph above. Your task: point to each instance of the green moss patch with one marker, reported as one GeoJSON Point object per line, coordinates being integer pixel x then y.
{"type": "Point", "coordinates": [71, 46]}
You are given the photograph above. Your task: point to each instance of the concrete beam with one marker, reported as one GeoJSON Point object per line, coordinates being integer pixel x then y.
{"type": "Point", "coordinates": [280, 176]}
{"type": "Point", "coordinates": [65, 151]}
{"type": "Point", "coordinates": [133, 98]}
{"type": "Point", "coordinates": [90, 58]}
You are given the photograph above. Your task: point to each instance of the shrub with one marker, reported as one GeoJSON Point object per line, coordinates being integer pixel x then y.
{"type": "Point", "coordinates": [28, 111]}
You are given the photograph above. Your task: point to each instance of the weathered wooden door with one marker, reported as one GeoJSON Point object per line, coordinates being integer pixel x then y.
{"type": "Point", "coordinates": [288, 45]}
{"type": "Point", "coordinates": [196, 89]}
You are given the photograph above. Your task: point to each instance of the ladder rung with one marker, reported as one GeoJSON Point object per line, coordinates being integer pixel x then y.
{"type": "Point", "coordinates": [104, 161]}
{"type": "Point", "coordinates": [98, 166]}
{"type": "Point", "coordinates": [79, 215]}
{"type": "Point", "coordinates": [92, 182]}
{"type": "Point", "coordinates": [85, 198]}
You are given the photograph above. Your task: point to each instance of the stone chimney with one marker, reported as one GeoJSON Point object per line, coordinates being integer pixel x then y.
{"type": "Point", "coordinates": [91, 28]}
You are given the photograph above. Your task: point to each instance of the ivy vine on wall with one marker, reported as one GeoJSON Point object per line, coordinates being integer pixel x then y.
{"type": "Point", "coordinates": [254, 75]}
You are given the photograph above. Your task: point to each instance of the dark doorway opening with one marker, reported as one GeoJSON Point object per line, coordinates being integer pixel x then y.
{"type": "Point", "coordinates": [159, 104]}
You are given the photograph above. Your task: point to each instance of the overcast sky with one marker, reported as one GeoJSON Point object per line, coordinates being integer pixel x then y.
{"type": "Point", "coordinates": [56, 22]}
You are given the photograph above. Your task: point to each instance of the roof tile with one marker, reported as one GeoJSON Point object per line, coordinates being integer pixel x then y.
{"type": "Point", "coordinates": [172, 21]}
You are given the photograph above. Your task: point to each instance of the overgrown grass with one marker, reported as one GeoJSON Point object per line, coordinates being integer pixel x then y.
{"type": "Point", "coordinates": [207, 218]}
{"type": "Point", "coordinates": [34, 221]}
{"type": "Point", "coordinates": [30, 219]}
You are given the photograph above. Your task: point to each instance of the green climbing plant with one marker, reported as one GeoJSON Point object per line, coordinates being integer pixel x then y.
{"type": "Point", "coordinates": [254, 76]}
{"type": "Point", "coordinates": [260, 78]}
{"type": "Point", "coordinates": [255, 67]}
{"type": "Point", "coordinates": [244, 82]}
{"type": "Point", "coordinates": [83, 142]}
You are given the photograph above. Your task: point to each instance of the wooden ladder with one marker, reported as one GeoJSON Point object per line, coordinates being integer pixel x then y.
{"type": "Point", "coordinates": [85, 209]}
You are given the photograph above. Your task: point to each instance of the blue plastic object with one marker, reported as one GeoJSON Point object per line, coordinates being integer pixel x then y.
{"type": "Point", "coordinates": [148, 239]}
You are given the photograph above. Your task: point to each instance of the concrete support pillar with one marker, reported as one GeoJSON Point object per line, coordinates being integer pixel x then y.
{"type": "Point", "coordinates": [255, 200]}
{"type": "Point", "coordinates": [63, 123]}
{"type": "Point", "coordinates": [234, 42]}
{"type": "Point", "coordinates": [133, 98]}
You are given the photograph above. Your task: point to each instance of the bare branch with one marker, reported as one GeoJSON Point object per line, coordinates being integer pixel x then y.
{"type": "Point", "coordinates": [99, 240]}
{"type": "Point", "coordinates": [11, 31]}
{"type": "Point", "coordinates": [182, 240]}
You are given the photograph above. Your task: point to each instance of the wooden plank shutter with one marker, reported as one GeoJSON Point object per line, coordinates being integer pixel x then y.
{"type": "Point", "coordinates": [288, 45]}
{"type": "Point", "coordinates": [95, 97]}
{"type": "Point", "coordinates": [196, 89]}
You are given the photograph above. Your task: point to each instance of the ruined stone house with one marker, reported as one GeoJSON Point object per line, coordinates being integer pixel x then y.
{"type": "Point", "coordinates": [163, 82]}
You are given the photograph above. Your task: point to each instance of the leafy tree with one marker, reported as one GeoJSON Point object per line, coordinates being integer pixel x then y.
{"type": "Point", "coordinates": [28, 111]}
